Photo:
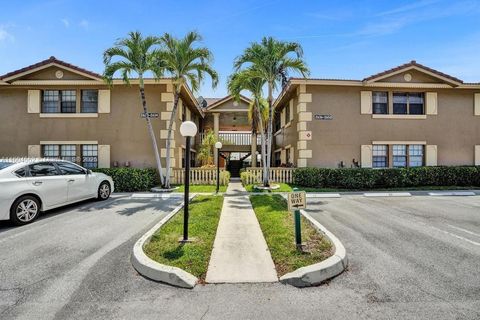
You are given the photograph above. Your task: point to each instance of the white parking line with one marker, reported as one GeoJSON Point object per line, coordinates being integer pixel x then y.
{"type": "Point", "coordinates": [155, 195]}
{"type": "Point", "coordinates": [464, 230]}
{"type": "Point", "coordinates": [452, 193]}
{"type": "Point", "coordinates": [456, 236]}
{"type": "Point", "coordinates": [323, 195]}
{"type": "Point", "coordinates": [387, 194]}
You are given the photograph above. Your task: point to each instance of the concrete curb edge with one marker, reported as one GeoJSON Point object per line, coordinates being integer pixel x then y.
{"type": "Point", "coordinates": [157, 271]}
{"type": "Point", "coordinates": [319, 272]}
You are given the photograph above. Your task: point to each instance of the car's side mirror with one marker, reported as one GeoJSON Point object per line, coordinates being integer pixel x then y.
{"type": "Point", "coordinates": [89, 171]}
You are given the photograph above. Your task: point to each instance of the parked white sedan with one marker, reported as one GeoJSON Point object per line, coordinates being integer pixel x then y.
{"type": "Point", "coordinates": [28, 186]}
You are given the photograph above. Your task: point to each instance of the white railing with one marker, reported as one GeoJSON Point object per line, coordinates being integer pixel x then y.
{"type": "Point", "coordinates": [234, 138]}
{"type": "Point", "coordinates": [199, 176]}
{"type": "Point", "coordinates": [279, 175]}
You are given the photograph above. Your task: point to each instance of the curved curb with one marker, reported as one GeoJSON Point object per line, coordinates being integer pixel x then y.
{"type": "Point", "coordinates": [319, 272]}
{"type": "Point", "coordinates": [157, 271]}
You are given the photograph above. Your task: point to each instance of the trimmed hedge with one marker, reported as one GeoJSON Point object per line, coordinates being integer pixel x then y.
{"type": "Point", "coordinates": [135, 179]}
{"type": "Point", "coordinates": [386, 178]}
{"type": "Point", "coordinates": [132, 179]}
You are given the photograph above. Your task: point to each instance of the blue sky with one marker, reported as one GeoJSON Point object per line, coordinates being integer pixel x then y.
{"type": "Point", "coordinates": [341, 39]}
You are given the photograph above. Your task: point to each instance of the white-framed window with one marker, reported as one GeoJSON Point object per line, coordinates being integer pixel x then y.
{"type": "Point", "coordinates": [408, 103]}
{"type": "Point", "coordinates": [380, 102]}
{"type": "Point", "coordinates": [415, 155]}
{"type": "Point", "coordinates": [90, 156]}
{"type": "Point", "coordinates": [380, 156]}
{"type": "Point", "coordinates": [59, 101]}
{"type": "Point", "coordinates": [89, 101]}
{"type": "Point", "coordinates": [399, 152]}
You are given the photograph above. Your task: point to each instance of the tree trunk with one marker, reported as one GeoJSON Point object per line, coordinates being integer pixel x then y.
{"type": "Point", "coordinates": [150, 130]}
{"type": "Point", "coordinates": [176, 97]}
{"type": "Point", "coordinates": [270, 132]}
{"type": "Point", "coordinates": [263, 142]}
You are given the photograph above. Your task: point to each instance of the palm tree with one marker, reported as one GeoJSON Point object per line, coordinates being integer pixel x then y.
{"type": "Point", "coordinates": [135, 55]}
{"type": "Point", "coordinates": [185, 64]}
{"type": "Point", "coordinates": [272, 60]}
{"type": "Point", "coordinates": [258, 108]}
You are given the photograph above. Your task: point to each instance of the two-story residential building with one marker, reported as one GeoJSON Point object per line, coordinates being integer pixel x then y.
{"type": "Point", "coordinates": [407, 116]}
{"type": "Point", "coordinates": [55, 109]}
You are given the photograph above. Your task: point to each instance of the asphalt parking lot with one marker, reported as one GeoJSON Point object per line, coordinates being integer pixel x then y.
{"type": "Point", "coordinates": [410, 258]}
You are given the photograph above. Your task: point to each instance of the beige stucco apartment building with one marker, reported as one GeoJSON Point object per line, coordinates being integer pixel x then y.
{"type": "Point", "coordinates": [407, 116]}
{"type": "Point", "coordinates": [410, 115]}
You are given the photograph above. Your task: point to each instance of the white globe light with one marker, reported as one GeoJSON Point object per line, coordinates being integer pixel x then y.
{"type": "Point", "coordinates": [218, 145]}
{"type": "Point", "coordinates": [188, 129]}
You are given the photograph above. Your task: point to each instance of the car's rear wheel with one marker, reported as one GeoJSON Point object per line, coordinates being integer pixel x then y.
{"type": "Point", "coordinates": [24, 210]}
{"type": "Point", "coordinates": [104, 191]}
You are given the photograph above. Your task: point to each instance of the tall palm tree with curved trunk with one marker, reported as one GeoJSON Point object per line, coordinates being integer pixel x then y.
{"type": "Point", "coordinates": [272, 60]}
{"type": "Point", "coordinates": [185, 63]}
{"type": "Point", "coordinates": [135, 55]}
{"type": "Point", "coordinates": [258, 108]}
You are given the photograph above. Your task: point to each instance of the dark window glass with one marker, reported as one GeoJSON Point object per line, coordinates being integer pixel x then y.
{"type": "Point", "coordinates": [287, 114]}
{"type": "Point", "coordinates": [50, 101]}
{"type": "Point", "coordinates": [287, 155]}
{"type": "Point", "coordinates": [400, 102]}
{"type": "Point", "coordinates": [415, 103]}
{"type": "Point", "coordinates": [21, 173]}
{"type": "Point", "coordinates": [42, 169]}
{"type": "Point", "coordinates": [51, 151]}
{"type": "Point", "coordinates": [68, 152]}
{"type": "Point", "coordinates": [380, 102]}
{"type": "Point", "coordinates": [69, 101]}
{"type": "Point", "coordinates": [277, 159]}
{"type": "Point", "coordinates": [399, 156]}
{"type": "Point", "coordinates": [90, 156]}
{"type": "Point", "coordinates": [192, 159]}
{"type": "Point", "coordinates": [277, 123]}
{"type": "Point", "coordinates": [89, 101]}
{"type": "Point", "coordinates": [69, 168]}
{"type": "Point", "coordinates": [380, 156]}
{"type": "Point", "coordinates": [415, 155]}
{"type": "Point", "coordinates": [184, 112]}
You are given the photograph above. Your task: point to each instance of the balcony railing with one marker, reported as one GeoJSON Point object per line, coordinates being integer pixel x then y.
{"type": "Point", "coordinates": [234, 138]}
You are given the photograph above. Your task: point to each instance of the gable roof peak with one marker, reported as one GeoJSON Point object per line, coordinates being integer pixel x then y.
{"type": "Point", "coordinates": [45, 63]}
{"type": "Point", "coordinates": [409, 65]}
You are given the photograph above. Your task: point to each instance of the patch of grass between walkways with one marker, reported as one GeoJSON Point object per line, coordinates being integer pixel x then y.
{"type": "Point", "coordinates": [207, 188]}
{"type": "Point", "coordinates": [277, 225]}
{"type": "Point", "coordinates": [192, 257]}
{"type": "Point", "coordinates": [285, 187]}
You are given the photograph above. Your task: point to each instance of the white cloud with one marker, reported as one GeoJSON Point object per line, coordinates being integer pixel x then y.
{"type": "Point", "coordinates": [65, 22]}
{"type": "Point", "coordinates": [84, 24]}
{"type": "Point", "coordinates": [5, 35]}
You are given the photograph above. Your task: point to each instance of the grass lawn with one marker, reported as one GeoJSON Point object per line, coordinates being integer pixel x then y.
{"type": "Point", "coordinates": [192, 257]}
{"type": "Point", "coordinates": [285, 187]}
{"type": "Point", "coordinates": [201, 188]}
{"type": "Point", "coordinates": [277, 225]}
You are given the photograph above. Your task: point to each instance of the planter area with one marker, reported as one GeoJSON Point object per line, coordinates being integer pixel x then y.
{"type": "Point", "coordinates": [185, 260]}
{"type": "Point", "coordinates": [277, 225]}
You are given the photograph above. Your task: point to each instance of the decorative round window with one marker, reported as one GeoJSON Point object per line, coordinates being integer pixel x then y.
{"type": "Point", "coordinates": [407, 77]}
{"type": "Point", "coordinates": [59, 74]}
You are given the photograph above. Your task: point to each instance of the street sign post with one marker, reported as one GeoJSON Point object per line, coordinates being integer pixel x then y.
{"type": "Point", "coordinates": [297, 200]}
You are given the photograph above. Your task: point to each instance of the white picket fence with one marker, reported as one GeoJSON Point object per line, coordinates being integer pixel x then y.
{"type": "Point", "coordinates": [199, 176]}
{"type": "Point", "coordinates": [279, 175]}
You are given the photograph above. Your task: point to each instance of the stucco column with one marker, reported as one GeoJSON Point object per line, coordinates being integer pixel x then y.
{"type": "Point", "coordinates": [254, 150]}
{"type": "Point", "coordinates": [216, 129]}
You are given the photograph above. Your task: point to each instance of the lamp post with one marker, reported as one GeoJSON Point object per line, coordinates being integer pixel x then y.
{"type": "Point", "coordinates": [188, 129]}
{"type": "Point", "coordinates": [218, 146]}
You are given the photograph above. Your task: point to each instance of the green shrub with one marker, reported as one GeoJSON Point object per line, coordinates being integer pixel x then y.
{"type": "Point", "coordinates": [386, 178]}
{"type": "Point", "coordinates": [132, 179]}
{"type": "Point", "coordinates": [225, 177]}
{"type": "Point", "coordinates": [246, 176]}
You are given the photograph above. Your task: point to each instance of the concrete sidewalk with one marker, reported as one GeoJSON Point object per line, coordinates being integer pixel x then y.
{"type": "Point", "coordinates": [240, 253]}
